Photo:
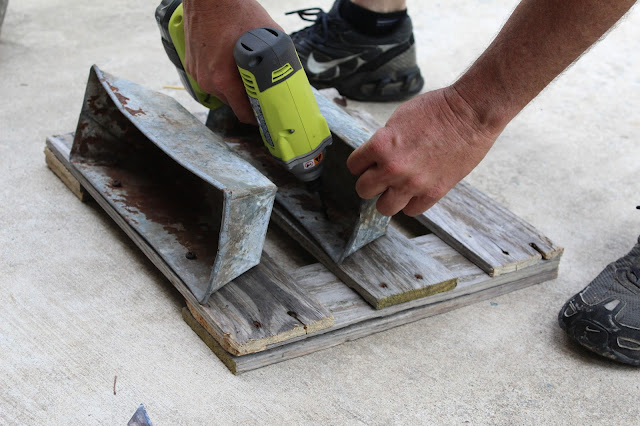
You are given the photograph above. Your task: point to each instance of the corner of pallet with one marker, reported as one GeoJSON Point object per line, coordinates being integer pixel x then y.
{"type": "Point", "coordinates": [62, 171]}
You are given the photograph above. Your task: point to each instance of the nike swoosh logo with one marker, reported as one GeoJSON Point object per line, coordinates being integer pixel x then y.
{"type": "Point", "coordinates": [316, 67]}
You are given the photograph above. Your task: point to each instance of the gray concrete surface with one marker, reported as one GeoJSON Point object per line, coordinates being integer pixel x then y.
{"type": "Point", "coordinates": [80, 304]}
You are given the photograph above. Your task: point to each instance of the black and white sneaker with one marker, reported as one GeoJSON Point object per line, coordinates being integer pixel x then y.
{"type": "Point", "coordinates": [605, 316]}
{"type": "Point", "coordinates": [359, 66]}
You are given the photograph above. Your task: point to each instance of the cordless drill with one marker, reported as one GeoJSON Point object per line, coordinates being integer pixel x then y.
{"type": "Point", "coordinates": [291, 125]}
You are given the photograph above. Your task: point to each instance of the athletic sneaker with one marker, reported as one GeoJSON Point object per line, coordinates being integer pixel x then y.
{"type": "Point", "coordinates": [360, 66]}
{"type": "Point", "coordinates": [605, 316]}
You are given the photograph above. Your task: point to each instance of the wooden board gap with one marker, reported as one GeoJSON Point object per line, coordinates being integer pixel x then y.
{"type": "Point", "coordinates": [408, 226]}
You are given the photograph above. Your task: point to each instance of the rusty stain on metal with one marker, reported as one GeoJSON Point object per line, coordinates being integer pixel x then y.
{"type": "Point", "coordinates": [185, 191]}
{"type": "Point", "coordinates": [134, 112]}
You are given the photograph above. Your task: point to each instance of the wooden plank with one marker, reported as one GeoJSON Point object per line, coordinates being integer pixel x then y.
{"type": "Point", "coordinates": [264, 295]}
{"type": "Point", "coordinates": [388, 271]}
{"type": "Point", "coordinates": [65, 176]}
{"type": "Point", "coordinates": [347, 330]}
{"type": "Point", "coordinates": [328, 290]}
{"type": "Point", "coordinates": [262, 307]}
{"type": "Point", "coordinates": [491, 236]}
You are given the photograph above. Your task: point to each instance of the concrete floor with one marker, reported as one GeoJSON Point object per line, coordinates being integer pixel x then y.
{"type": "Point", "coordinates": [80, 304]}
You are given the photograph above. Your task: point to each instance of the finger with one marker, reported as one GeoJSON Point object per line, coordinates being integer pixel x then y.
{"type": "Point", "coordinates": [366, 155]}
{"type": "Point", "coordinates": [207, 87]}
{"type": "Point", "coordinates": [239, 103]}
{"type": "Point", "coordinates": [392, 201]}
{"type": "Point", "coordinates": [370, 185]}
{"type": "Point", "coordinates": [419, 205]}
{"type": "Point", "coordinates": [220, 96]}
{"type": "Point", "coordinates": [360, 160]}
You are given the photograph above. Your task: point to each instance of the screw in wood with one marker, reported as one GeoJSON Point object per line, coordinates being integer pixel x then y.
{"type": "Point", "coordinates": [190, 255]}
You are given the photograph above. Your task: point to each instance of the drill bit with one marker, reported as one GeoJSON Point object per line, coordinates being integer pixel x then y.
{"type": "Point", "coordinates": [315, 187]}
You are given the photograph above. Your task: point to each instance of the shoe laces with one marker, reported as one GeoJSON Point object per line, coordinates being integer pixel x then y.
{"type": "Point", "coordinates": [318, 17]}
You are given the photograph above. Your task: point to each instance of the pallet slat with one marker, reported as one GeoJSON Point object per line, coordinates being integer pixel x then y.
{"type": "Point", "coordinates": [263, 306]}
{"type": "Point", "coordinates": [356, 319]}
{"type": "Point", "coordinates": [353, 317]}
{"type": "Point", "coordinates": [491, 236]}
{"type": "Point", "coordinates": [55, 164]}
{"type": "Point", "coordinates": [388, 271]}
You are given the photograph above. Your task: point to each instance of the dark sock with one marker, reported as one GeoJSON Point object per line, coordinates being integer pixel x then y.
{"type": "Point", "coordinates": [368, 22]}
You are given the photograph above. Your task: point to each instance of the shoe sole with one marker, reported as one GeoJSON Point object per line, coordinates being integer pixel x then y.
{"type": "Point", "coordinates": [595, 338]}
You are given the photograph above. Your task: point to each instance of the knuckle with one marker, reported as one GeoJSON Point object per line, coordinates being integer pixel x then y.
{"type": "Point", "coordinates": [214, 83]}
{"type": "Point", "coordinates": [376, 149]}
{"type": "Point", "coordinates": [418, 209]}
{"type": "Point", "coordinates": [391, 168]}
{"type": "Point", "coordinates": [436, 192]}
{"type": "Point", "coordinates": [206, 84]}
{"type": "Point", "coordinates": [364, 190]}
{"type": "Point", "coordinates": [385, 209]}
{"type": "Point", "coordinates": [352, 162]}
{"type": "Point", "coordinates": [416, 183]}
{"type": "Point", "coordinates": [377, 144]}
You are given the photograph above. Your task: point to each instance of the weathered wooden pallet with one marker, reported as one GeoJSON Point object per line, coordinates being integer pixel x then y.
{"type": "Point", "coordinates": [271, 315]}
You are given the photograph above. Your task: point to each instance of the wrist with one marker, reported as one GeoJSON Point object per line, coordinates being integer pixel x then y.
{"type": "Point", "coordinates": [484, 121]}
{"type": "Point", "coordinates": [486, 98]}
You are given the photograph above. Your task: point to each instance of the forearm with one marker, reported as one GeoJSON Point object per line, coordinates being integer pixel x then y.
{"type": "Point", "coordinates": [540, 40]}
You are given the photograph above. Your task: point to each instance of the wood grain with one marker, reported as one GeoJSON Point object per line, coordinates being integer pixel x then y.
{"type": "Point", "coordinates": [388, 271]}
{"type": "Point", "coordinates": [491, 236]}
{"type": "Point", "coordinates": [263, 306]}
{"type": "Point", "coordinates": [65, 176]}
{"type": "Point", "coordinates": [365, 326]}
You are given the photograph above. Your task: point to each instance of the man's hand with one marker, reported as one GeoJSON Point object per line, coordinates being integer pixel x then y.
{"type": "Point", "coordinates": [428, 145]}
{"type": "Point", "coordinates": [436, 139]}
{"type": "Point", "coordinates": [211, 30]}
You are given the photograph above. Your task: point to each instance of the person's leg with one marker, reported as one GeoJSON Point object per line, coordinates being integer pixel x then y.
{"type": "Point", "coordinates": [363, 48]}
{"type": "Point", "coordinates": [605, 316]}
{"type": "Point", "coordinates": [382, 6]}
